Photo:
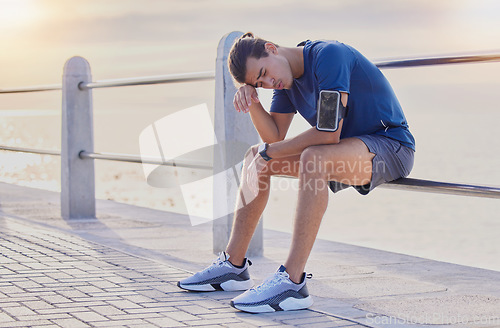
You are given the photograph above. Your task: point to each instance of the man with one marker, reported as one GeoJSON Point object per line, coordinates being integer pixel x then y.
{"type": "Point", "coordinates": [371, 145]}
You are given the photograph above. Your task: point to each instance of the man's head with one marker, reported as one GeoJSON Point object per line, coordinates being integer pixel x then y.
{"type": "Point", "coordinates": [258, 62]}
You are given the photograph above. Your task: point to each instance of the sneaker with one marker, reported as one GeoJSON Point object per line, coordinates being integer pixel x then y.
{"type": "Point", "coordinates": [277, 293]}
{"type": "Point", "coordinates": [221, 275]}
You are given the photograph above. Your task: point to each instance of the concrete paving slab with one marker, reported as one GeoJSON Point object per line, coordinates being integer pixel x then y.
{"type": "Point", "coordinates": [442, 310]}
{"type": "Point", "coordinates": [126, 290]}
{"type": "Point", "coordinates": [374, 286]}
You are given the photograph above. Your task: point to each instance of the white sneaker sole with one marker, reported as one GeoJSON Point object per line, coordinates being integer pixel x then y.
{"type": "Point", "coordinates": [228, 286]}
{"type": "Point", "coordinates": [289, 304]}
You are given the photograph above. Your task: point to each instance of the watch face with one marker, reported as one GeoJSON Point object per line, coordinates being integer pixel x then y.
{"type": "Point", "coordinates": [262, 147]}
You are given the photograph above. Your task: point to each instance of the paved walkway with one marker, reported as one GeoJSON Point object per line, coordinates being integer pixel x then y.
{"type": "Point", "coordinates": [121, 269]}
{"type": "Point", "coordinates": [52, 279]}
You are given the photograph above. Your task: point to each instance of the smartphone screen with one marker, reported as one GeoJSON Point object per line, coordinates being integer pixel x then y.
{"type": "Point", "coordinates": [328, 110]}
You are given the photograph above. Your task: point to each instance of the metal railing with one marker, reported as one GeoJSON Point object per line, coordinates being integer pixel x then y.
{"type": "Point", "coordinates": [191, 164]}
{"type": "Point", "coordinates": [441, 60]}
{"type": "Point", "coordinates": [210, 75]}
{"type": "Point", "coordinates": [31, 150]}
{"type": "Point", "coordinates": [77, 176]}
{"type": "Point", "coordinates": [172, 78]}
{"type": "Point", "coordinates": [411, 184]}
{"type": "Point", "coordinates": [34, 88]}
{"type": "Point", "coordinates": [443, 188]}
{"type": "Point", "coordinates": [146, 80]}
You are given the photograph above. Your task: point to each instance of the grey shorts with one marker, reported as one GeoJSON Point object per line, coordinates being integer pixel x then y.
{"type": "Point", "coordinates": [392, 161]}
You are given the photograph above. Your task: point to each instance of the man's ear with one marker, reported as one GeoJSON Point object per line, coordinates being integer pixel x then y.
{"type": "Point", "coordinates": [271, 48]}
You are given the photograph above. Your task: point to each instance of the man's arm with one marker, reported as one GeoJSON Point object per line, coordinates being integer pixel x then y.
{"type": "Point", "coordinates": [296, 145]}
{"type": "Point", "coordinates": [272, 127]}
{"type": "Point", "coordinates": [311, 137]}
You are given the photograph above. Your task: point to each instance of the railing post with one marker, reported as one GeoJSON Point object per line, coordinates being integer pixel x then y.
{"type": "Point", "coordinates": [230, 127]}
{"type": "Point", "coordinates": [77, 175]}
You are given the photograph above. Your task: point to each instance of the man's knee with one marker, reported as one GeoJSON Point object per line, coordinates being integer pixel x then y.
{"type": "Point", "coordinates": [312, 161]}
{"type": "Point", "coordinates": [250, 154]}
{"type": "Point", "coordinates": [252, 151]}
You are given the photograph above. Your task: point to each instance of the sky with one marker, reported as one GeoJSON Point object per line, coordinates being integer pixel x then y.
{"type": "Point", "coordinates": [151, 37]}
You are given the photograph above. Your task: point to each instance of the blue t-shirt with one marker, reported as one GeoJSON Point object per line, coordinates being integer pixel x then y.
{"type": "Point", "coordinates": [373, 107]}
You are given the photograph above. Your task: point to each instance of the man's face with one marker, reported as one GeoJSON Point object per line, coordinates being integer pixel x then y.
{"type": "Point", "coordinates": [271, 72]}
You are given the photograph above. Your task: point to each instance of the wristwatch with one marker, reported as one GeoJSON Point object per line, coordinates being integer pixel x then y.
{"type": "Point", "coordinates": [263, 151]}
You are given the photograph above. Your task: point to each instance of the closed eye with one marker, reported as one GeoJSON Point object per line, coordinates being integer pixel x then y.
{"type": "Point", "coordinates": [261, 73]}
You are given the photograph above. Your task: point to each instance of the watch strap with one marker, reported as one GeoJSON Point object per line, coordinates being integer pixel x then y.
{"type": "Point", "coordinates": [263, 153]}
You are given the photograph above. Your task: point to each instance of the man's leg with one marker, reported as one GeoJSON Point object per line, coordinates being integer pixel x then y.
{"type": "Point", "coordinates": [249, 212]}
{"type": "Point", "coordinates": [231, 274]}
{"type": "Point", "coordinates": [348, 162]}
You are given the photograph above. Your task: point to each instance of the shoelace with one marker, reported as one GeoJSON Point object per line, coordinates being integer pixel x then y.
{"type": "Point", "coordinates": [274, 280]}
{"type": "Point", "coordinates": [271, 281]}
{"type": "Point", "coordinates": [217, 263]}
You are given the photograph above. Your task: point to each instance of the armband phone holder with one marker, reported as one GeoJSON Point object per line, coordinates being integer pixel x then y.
{"type": "Point", "coordinates": [330, 111]}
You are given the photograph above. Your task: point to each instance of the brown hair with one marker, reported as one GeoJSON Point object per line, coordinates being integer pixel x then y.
{"type": "Point", "coordinates": [243, 48]}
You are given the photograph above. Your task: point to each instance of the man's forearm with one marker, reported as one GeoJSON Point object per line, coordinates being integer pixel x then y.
{"type": "Point", "coordinates": [296, 145]}
{"type": "Point", "coordinates": [264, 123]}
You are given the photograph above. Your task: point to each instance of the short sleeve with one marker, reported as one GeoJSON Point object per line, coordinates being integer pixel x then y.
{"type": "Point", "coordinates": [281, 103]}
{"type": "Point", "coordinates": [334, 64]}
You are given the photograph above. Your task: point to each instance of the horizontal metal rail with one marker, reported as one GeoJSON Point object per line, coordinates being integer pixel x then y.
{"type": "Point", "coordinates": [443, 188]}
{"type": "Point", "coordinates": [172, 78]}
{"type": "Point", "coordinates": [35, 88]}
{"type": "Point", "coordinates": [210, 75]}
{"type": "Point", "coordinates": [117, 157]}
{"type": "Point", "coordinates": [31, 150]}
{"type": "Point", "coordinates": [145, 160]}
{"type": "Point", "coordinates": [438, 187]}
{"type": "Point", "coordinates": [400, 184]}
{"type": "Point", "coordinates": [432, 61]}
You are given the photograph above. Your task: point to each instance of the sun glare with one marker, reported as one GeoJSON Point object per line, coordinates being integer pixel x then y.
{"type": "Point", "coordinates": [17, 13]}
